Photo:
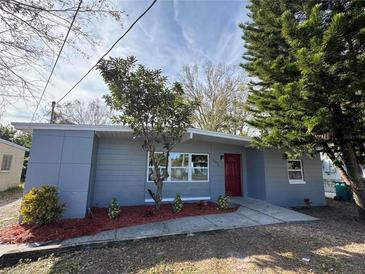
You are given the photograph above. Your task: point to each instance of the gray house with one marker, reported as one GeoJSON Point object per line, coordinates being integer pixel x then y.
{"type": "Point", "coordinates": [92, 164]}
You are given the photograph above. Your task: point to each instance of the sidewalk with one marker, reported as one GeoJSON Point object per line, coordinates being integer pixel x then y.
{"type": "Point", "coordinates": [250, 213]}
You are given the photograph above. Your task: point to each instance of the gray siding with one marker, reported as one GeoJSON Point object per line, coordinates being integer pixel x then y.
{"type": "Point", "coordinates": [90, 171]}
{"type": "Point", "coordinates": [281, 192]}
{"type": "Point", "coordinates": [255, 174]}
{"type": "Point", "coordinates": [62, 158]}
{"type": "Point", "coordinates": [121, 172]}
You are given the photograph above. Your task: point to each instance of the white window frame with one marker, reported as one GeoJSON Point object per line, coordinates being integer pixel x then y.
{"type": "Point", "coordinates": [190, 168]}
{"type": "Point", "coordinates": [8, 168]}
{"type": "Point", "coordinates": [295, 181]}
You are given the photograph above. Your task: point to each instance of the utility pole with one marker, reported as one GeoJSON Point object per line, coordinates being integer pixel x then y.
{"type": "Point", "coordinates": [52, 112]}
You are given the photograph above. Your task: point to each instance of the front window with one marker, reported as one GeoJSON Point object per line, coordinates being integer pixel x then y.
{"type": "Point", "coordinates": [295, 170]}
{"type": "Point", "coordinates": [160, 158]}
{"type": "Point", "coordinates": [179, 166]}
{"type": "Point", "coordinates": [199, 164]}
{"type": "Point", "coordinates": [6, 162]}
{"type": "Point", "coordinates": [184, 167]}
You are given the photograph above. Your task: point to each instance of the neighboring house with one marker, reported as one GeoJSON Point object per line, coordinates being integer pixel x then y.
{"type": "Point", "coordinates": [330, 174]}
{"type": "Point", "coordinates": [11, 164]}
{"type": "Point", "coordinates": [92, 164]}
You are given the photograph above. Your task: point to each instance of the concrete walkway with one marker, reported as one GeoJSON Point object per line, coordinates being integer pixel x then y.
{"type": "Point", "coordinates": [250, 213]}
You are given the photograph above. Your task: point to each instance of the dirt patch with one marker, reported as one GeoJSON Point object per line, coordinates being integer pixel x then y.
{"type": "Point", "coordinates": [99, 221]}
{"type": "Point", "coordinates": [9, 205]}
{"type": "Point", "coordinates": [11, 194]}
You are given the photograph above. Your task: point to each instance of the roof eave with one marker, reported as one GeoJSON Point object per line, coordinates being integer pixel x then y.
{"type": "Point", "coordinates": [212, 135]}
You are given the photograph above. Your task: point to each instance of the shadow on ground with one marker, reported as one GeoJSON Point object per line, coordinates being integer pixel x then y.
{"type": "Point", "coordinates": [336, 243]}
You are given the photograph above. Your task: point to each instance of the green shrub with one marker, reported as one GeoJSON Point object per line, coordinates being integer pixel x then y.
{"type": "Point", "coordinates": [41, 206]}
{"type": "Point", "coordinates": [177, 206]}
{"type": "Point", "coordinates": [113, 209]}
{"type": "Point", "coordinates": [223, 201]}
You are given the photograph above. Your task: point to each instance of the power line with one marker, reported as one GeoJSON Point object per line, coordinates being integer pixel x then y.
{"type": "Point", "coordinates": [110, 49]}
{"type": "Point", "coordinates": [55, 63]}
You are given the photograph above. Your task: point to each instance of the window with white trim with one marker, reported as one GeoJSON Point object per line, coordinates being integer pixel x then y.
{"type": "Point", "coordinates": [161, 160]}
{"type": "Point", "coordinates": [295, 171]}
{"type": "Point", "coordinates": [184, 167]}
{"type": "Point", "coordinates": [199, 165]}
{"type": "Point", "coordinates": [6, 162]}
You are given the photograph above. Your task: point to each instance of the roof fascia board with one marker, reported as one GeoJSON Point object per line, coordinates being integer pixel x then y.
{"type": "Point", "coordinates": [13, 144]}
{"type": "Point", "coordinates": [110, 128]}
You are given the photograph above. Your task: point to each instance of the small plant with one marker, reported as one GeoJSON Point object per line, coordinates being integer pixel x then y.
{"type": "Point", "coordinates": [307, 202]}
{"type": "Point", "coordinates": [149, 213]}
{"type": "Point", "coordinates": [177, 206]}
{"type": "Point", "coordinates": [223, 201]}
{"type": "Point", "coordinates": [202, 204]}
{"type": "Point", "coordinates": [41, 206]}
{"type": "Point", "coordinates": [113, 209]}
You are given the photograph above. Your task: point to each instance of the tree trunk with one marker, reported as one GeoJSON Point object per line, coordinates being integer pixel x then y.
{"type": "Point", "coordinates": [355, 176]}
{"type": "Point", "coordinates": [157, 196]}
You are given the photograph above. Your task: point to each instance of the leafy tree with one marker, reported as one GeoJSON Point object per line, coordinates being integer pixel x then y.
{"type": "Point", "coordinates": [221, 93]}
{"type": "Point", "coordinates": [7, 132]}
{"type": "Point", "coordinates": [309, 97]}
{"type": "Point", "coordinates": [31, 34]}
{"type": "Point", "coordinates": [155, 111]}
{"type": "Point", "coordinates": [23, 139]}
{"type": "Point", "coordinates": [12, 135]}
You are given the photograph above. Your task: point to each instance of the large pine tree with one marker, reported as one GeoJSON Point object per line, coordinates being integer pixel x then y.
{"type": "Point", "coordinates": [307, 62]}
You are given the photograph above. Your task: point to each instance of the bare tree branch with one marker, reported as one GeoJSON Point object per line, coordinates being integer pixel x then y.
{"type": "Point", "coordinates": [32, 31]}
{"type": "Point", "coordinates": [221, 94]}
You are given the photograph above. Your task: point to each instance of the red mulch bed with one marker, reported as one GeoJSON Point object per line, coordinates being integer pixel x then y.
{"type": "Point", "coordinates": [129, 216]}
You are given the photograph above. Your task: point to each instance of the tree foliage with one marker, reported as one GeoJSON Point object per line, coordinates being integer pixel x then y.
{"type": "Point", "coordinates": [31, 34]}
{"type": "Point", "coordinates": [10, 134]}
{"type": "Point", "coordinates": [158, 113]}
{"type": "Point", "coordinates": [220, 92]}
{"type": "Point", "coordinates": [308, 59]}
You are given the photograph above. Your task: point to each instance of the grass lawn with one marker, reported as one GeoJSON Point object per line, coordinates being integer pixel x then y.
{"type": "Point", "coordinates": [9, 205]}
{"type": "Point", "coordinates": [335, 244]}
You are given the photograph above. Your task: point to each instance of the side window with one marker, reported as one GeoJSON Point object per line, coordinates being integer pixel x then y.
{"type": "Point", "coordinates": [6, 162]}
{"type": "Point", "coordinates": [295, 171]}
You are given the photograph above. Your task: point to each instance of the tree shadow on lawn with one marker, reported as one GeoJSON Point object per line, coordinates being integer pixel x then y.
{"type": "Point", "coordinates": [335, 243]}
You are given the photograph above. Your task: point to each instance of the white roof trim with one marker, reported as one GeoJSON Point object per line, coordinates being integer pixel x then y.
{"type": "Point", "coordinates": [28, 127]}
{"type": "Point", "coordinates": [2, 141]}
{"type": "Point", "coordinates": [218, 134]}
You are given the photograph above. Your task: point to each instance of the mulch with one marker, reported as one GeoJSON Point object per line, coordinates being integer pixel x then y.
{"type": "Point", "coordinates": [99, 221]}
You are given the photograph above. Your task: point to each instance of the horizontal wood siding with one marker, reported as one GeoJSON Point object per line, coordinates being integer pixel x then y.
{"type": "Point", "coordinates": [255, 174]}
{"type": "Point", "coordinates": [121, 172]}
{"type": "Point", "coordinates": [280, 191]}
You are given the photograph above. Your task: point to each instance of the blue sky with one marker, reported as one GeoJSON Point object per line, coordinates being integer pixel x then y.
{"type": "Point", "coordinates": [171, 35]}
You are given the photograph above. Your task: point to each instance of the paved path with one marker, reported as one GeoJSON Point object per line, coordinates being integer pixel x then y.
{"type": "Point", "coordinates": [250, 213]}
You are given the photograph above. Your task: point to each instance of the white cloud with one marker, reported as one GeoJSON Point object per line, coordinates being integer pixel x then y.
{"type": "Point", "coordinates": [172, 34]}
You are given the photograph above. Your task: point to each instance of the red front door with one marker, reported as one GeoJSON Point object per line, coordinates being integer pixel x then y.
{"type": "Point", "coordinates": [232, 171]}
